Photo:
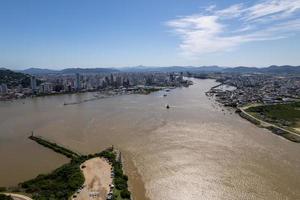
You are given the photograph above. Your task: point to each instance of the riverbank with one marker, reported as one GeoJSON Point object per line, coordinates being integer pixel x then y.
{"type": "Point", "coordinates": [224, 98]}
{"type": "Point", "coordinates": [287, 134]}
{"type": "Point", "coordinates": [143, 90]}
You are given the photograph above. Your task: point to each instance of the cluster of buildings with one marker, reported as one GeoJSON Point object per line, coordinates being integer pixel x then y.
{"type": "Point", "coordinates": [71, 83]}
{"type": "Point", "coordinates": [257, 88]}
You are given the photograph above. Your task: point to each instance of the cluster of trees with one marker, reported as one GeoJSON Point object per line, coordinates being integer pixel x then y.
{"type": "Point", "coordinates": [60, 184]}
{"type": "Point", "coordinates": [12, 78]}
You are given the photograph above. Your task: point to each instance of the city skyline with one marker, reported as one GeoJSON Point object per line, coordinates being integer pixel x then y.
{"type": "Point", "coordinates": [64, 34]}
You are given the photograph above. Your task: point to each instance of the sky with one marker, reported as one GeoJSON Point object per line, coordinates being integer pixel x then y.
{"type": "Point", "coordinates": [58, 34]}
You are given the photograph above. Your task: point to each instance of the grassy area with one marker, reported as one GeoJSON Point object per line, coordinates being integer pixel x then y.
{"type": "Point", "coordinates": [5, 197]}
{"type": "Point", "coordinates": [285, 115]}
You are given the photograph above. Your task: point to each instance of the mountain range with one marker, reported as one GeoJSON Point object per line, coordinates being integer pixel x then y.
{"type": "Point", "coordinates": [40, 71]}
{"type": "Point", "coordinates": [240, 69]}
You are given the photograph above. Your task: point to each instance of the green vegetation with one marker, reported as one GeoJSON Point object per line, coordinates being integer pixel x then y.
{"type": "Point", "coordinates": [5, 197]}
{"type": "Point", "coordinates": [286, 115]}
{"type": "Point", "coordinates": [150, 90]}
{"type": "Point", "coordinates": [120, 179]}
{"type": "Point", "coordinates": [60, 184]}
{"type": "Point", "coordinates": [13, 79]}
{"type": "Point", "coordinates": [55, 147]}
{"type": "Point", "coordinates": [284, 119]}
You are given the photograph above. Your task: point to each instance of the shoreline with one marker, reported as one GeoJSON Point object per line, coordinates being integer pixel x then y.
{"type": "Point", "coordinates": [17, 196]}
{"type": "Point", "coordinates": [289, 135]}
{"type": "Point", "coordinates": [277, 130]}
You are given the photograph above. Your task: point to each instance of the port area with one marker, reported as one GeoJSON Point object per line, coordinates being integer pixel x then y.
{"type": "Point", "coordinates": [98, 180]}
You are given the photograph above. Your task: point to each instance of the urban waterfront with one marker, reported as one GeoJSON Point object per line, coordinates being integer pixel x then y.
{"type": "Point", "coordinates": [194, 150]}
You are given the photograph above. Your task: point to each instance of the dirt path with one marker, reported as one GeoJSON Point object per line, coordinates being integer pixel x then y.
{"type": "Point", "coordinates": [18, 196]}
{"type": "Point", "coordinates": [97, 174]}
{"type": "Point", "coordinates": [266, 124]}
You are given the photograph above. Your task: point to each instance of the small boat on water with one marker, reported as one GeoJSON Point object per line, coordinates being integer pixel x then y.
{"type": "Point", "coordinates": [167, 106]}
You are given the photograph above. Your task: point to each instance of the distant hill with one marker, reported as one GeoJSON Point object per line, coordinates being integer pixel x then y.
{"type": "Point", "coordinates": [241, 69]}
{"type": "Point", "coordinates": [88, 70]}
{"type": "Point", "coordinates": [286, 69]}
{"type": "Point", "coordinates": [155, 69]}
{"type": "Point", "coordinates": [172, 69]}
{"type": "Point", "coordinates": [282, 69]}
{"type": "Point", "coordinates": [39, 71]}
{"type": "Point", "coordinates": [12, 78]}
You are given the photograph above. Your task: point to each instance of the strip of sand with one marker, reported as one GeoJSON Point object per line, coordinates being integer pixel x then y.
{"type": "Point", "coordinates": [18, 196]}
{"type": "Point", "coordinates": [97, 174]}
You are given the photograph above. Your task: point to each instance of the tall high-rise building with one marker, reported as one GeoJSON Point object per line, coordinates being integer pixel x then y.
{"type": "Point", "coordinates": [111, 79]}
{"type": "Point", "coordinates": [118, 81]}
{"type": "Point", "coordinates": [3, 88]}
{"type": "Point", "coordinates": [33, 83]}
{"type": "Point", "coordinates": [77, 83]}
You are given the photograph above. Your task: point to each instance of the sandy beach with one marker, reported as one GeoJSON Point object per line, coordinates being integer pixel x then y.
{"type": "Point", "coordinates": [97, 174]}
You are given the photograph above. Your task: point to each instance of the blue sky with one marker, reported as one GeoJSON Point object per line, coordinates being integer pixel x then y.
{"type": "Point", "coordinates": [113, 33]}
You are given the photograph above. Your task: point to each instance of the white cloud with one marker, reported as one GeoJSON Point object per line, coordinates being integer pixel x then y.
{"type": "Point", "coordinates": [232, 11]}
{"type": "Point", "coordinates": [273, 9]}
{"type": "Point", "coordinates": [225, 29]}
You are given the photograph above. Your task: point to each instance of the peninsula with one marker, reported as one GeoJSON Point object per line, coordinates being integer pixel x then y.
{"type": "Point", "coordinates": [98, 175]}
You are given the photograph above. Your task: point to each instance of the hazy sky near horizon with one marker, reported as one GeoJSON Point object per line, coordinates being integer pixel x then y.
{"type": "Point", "coordinates": [97, 33]}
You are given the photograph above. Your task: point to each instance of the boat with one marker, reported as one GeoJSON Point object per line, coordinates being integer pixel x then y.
{"type": "Point", "coordinates": [167, 106]}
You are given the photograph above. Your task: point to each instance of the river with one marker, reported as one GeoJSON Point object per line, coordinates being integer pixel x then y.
{"type": "Point", "coordinates": [194, 150]}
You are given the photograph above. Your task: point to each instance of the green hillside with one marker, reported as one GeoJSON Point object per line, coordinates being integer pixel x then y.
{"type": "Point", "coordinates": [12, 78]}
